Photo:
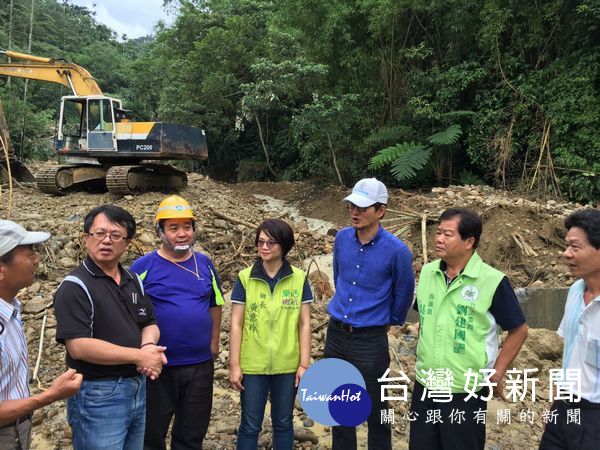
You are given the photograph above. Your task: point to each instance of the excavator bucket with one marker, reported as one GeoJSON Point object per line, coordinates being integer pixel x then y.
{"type": "Point", "coordinates": [18, 171]}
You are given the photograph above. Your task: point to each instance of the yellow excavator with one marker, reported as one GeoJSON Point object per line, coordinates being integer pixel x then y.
{"type": "Point", "coordinates": [97, 140]}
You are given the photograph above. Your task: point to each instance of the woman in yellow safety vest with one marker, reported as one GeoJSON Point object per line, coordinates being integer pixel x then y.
{"type": "Point", "coordinates": [270, 336]}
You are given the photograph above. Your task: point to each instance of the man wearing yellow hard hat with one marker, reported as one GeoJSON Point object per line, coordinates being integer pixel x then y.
{"type": "Point", "coordinates": [187, 298]}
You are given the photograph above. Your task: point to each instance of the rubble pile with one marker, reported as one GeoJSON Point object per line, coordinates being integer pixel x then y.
{"type": "Point", "coordinates": [522, 237]}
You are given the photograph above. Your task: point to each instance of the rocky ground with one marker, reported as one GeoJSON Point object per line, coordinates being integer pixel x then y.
{"type": "Point", "coordinates": [522, 237]}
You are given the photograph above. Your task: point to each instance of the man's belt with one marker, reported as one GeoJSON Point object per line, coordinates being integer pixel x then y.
{"type": "Point", "coordinates": [20, 420]}
{"type": "Point", "coordinates": [355, 330]}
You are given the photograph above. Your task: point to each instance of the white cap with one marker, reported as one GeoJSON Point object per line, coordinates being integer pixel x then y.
{"type": "Point", "coordinates": [367, 192]}
{"type": "Point", "coordinates": [13, 235]}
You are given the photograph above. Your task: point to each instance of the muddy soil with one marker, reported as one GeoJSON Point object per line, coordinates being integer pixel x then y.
{"type": "Point", "coordinates": [521, 237]}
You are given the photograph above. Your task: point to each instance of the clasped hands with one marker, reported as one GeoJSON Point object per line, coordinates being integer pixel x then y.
{"type": "Point", "coordinates": [151, 360]}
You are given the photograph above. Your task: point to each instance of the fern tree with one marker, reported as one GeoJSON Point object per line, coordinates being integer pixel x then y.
{"type": "Point", "coordinates": [408, 158]}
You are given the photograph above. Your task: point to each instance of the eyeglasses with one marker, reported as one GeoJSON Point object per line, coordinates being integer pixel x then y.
{"type": "Point", "coordinates": [100, 235]}
{"type": "Point", "coordinates": [270, 243]}
{"type": "Point", "coordinates": [361, 209]}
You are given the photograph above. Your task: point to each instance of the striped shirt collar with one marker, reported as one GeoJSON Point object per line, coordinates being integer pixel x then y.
{"type": "Point", "coordinates": [9, 310]}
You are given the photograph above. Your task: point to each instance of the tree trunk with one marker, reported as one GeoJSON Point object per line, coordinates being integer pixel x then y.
{"type": "Point", "coordinates": [333, 159]}
{"type": "Point", "coordinates": [22, 150]}
{"type": "Point", "coordinates": [10, 27]}
{"type": "Point", "coordinates": [264, 146]}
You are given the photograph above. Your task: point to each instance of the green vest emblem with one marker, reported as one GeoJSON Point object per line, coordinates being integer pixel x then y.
{"type": "Point", "coordinates": [469, 293]}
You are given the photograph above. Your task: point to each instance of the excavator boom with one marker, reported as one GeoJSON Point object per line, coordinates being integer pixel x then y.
{"type": "Point", "coordinates": [75, 77]}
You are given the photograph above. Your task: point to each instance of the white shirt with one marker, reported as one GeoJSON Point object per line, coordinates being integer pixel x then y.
{"type": "Point", "coordinates": [580, 329]}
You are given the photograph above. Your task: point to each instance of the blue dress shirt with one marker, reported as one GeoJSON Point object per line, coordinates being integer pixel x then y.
{"type": "Point", "coordinates": [374, 282]}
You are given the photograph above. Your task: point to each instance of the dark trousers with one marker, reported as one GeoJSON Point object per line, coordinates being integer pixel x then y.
{"type": "Point", "coordinates": [185, 391]}
{"type": "Point", "coordinates": [16, 437]}
{"type": "Point", "coordinates": [582, 436]}
{"type": "Point", "coordinates": [468, 435]}
{"type": "Point", "coordinates": [254, 399]}
{"type": "Point", "coordinates": [368, 351]}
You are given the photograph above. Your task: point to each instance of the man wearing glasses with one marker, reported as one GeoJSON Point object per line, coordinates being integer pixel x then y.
{"type": "Point", "coordinates": [18, 261]}
{"type": "Point", "coordinates": [107, 324]}
{"type": "Point", "coordinates": [374, 282]}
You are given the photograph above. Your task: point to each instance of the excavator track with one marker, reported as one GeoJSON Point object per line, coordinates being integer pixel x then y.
{"type": "Point", "coordinates": [48, 180]}
{"type": "Point", "coordinates": [60, 180]}
{"type": "Point", "coordinates": [124, 180]}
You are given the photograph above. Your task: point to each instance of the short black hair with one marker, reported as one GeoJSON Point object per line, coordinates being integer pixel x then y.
{"type": "Point", "coordinates": [8, 257]}
{"type": "Point", "coordinates": [469, 223]}
{"type": "Point", "coordinates": [589, 221]}
{"type": "Point", "coordinates": [280, 231]}
{"type": "Point", "coordinates": [115, 214]}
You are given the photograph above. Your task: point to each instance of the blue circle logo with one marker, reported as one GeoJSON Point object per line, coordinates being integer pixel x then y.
{"type": "Point", "coordinates": [333, 392]}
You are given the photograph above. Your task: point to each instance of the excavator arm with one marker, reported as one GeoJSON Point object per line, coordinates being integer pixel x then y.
{"type": "Point", "coordinates": [75, 77]}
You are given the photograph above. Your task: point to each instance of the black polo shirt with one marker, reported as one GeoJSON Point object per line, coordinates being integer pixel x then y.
{"type": "Point", "coordinates": [120, 313]}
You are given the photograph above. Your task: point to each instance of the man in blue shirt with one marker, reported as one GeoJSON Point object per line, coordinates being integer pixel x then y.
{"type": "Point", "coordinates": [374, 282]}
{"type": "Point", "coordinates": [186, 295]}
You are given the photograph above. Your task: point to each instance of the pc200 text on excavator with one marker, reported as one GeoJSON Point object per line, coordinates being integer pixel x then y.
{"type": "Point", "coordinates": [98, 142]}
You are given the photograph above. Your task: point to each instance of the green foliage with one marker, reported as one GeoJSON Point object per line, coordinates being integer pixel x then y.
{"type": "Point", "coordinates": [408, 158]}
{"type": "Point", "coordinates": [467, 177]}
{"type": "Point", "coordinates": [251, 169]}
{"type": "Point", "coordinates": [322, 87]}
{"type": "Point", "coordinates": [449, 136]}
{"type": "Point", "coordinates": [389, 155]}
{"type": "Point", "coordinates": [583, 187]}
{"type": "Point", "coordinates": [323, 132]}
{"type": "Point", "coordinates": [408, 163]}
{"type": "Point", "coordinates": [30, 131]}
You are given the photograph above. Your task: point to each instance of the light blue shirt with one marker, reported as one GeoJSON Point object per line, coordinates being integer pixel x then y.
{"type": "Point", "coordinates": [14, 366]}
{"type": "Point", "coordinates": [580, 329]}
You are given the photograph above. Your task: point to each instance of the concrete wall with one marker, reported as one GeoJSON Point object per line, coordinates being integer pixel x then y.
{"type": "Point", "coordinates": [543, 307]}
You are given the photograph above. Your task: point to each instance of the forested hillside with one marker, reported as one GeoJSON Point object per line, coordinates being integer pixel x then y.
{"type": "Point", "coordinates": [454, 91]}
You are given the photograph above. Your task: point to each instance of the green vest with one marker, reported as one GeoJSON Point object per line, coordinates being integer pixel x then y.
{"type": "Point", "coordinates": [270, 344]}
{"type": "Point", "coordinates": [457, 331]}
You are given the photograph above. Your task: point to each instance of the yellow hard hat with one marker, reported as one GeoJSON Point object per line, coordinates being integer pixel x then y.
{"type": "Point", "coordinates": [174, 207]}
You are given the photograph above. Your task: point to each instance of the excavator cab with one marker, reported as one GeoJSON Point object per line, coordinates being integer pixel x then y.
{"type": "Point", "coordinates": [87, 124]}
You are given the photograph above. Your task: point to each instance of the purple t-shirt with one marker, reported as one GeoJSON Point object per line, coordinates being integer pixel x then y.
{"type": "Point", "coordinates": [182, 303]}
